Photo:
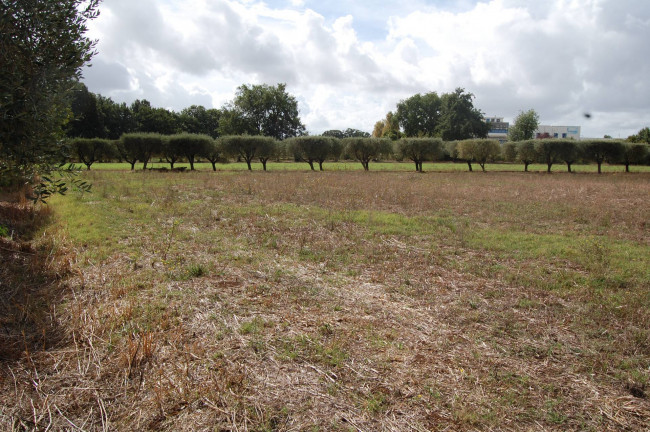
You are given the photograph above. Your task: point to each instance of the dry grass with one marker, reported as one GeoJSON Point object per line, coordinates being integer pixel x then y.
{"type": "Point", "coordinates": [341, 301]}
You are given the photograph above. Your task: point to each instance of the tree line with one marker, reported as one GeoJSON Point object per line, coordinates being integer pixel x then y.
{"type": "Point", "coordinates": [316, 150]}
{"type": "Point", "coordinates": [256, 110]}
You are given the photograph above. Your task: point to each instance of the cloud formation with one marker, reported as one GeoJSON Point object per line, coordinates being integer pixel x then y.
{"type": "Point", "coordinates": [349, 65]}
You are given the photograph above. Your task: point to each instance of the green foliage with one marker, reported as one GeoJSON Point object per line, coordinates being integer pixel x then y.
{"type": "Point", "coordinates": [642, 137]}
{"type": "Point", "coordinates": [139, 147]}
{"type": "Point", "coordinates": [526, 152]}
{"type": "Point", "coordinates": [249, 147]}
{"type": "Point", "coordinates": [479, 150]}
{"type": "Point", "coordinates": [387, 128]}
{"type": "Point", "coordinates": [549, 151]}
{"type": "Point", "coordinates": [42, 49]}
{"type": "Point", "coordinates": [419, 150]}
{"type": "Point", "coordinates": [571, 151]}
{"type": "Point", "coordinates": [509, 151]}
{"type": "Point", "coordinates": [312, 149]}
{"type": "Point", "coordinates": [420, 115]}
{"type": "Point", "coordinates": [366, 149]}
{"type": "Point", "coordinates": [633, 154]}
{"type": "Point", "coordinates": [348, 133]}
{"type": "Point", "coordinates": [460, 120]}
{"type": "Point", "coordinates": [58, 182]}
{"type": "Point", "coordinates": [189, 145]}
{"type": "Point", "coordinates": [89, 151]}
{"type": "Point", "coordinates": [154, 120]}
{"type": "Point", "coordinates": [86, 121]}
{"type": "Point", "coordinates": [524, 126]}
{"type": "Point", "coordinates": [198, 120]}
{"type": "Point", "coordinates": [601, 150]}
{"type": "Point", "coordinates": [214, 153]}
{"type": "Point", "coordinates": [264, 110]}
{"type": "Point", "coordinates": [451, 116]}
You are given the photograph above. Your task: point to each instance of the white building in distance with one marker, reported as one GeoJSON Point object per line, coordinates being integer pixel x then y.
{"type": "Point", "coordinates": [545, 131]}
{"type": "Point", "coordinates": [498, 128]}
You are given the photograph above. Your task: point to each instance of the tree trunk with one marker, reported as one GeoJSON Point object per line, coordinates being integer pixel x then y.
{"type": "Point", "coordinates": [311, 165]}
{"type": "Point", "coordinates": [599, 164]}
{"type": "Point", "coordinates": [568, 166]}
{"type": "Point", "coordinates": [133, 165]}
{"type": "Point", "coordinates": [248, 162]}
{"type": "Point", "coordinates": [214, 166]}
{"type": "Point", "coordinates": [320, 165]}
{"type": "Point", "coordinates": [190, 159]}
{"type": "Point", "coordinates": [469, 165]}
{"type": "Point", "coordinates": [548, 165]}
{"type": "Point", "coordinates": [627, 167]}
{"type": "Point", "coordinates": [482, 165]}
{"type": "Point", "coordinates": [263, 164]}
{"type": "Point", "coordinates": [526, 166]}
{"type": "Point", "coordinates": [417, 165]}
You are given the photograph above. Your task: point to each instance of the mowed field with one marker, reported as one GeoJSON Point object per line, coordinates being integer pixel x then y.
{"type": "Point", "coordinates": [336, 300]}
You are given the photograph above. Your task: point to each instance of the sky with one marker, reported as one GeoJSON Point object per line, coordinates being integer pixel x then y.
{"type": "Point", "coordinates": [349, 62]}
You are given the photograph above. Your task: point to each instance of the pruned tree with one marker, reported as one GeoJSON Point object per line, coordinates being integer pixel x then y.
{"type": "Point", "coordinates": [549, 151]}
{"type": "Point", "coordinates": [248, 147]}
{"type": "Point", "coordinates": [267, 149]}
{"type": "Point", "coordinates": [633, 154]}
{"type": "Point", "coordinates": [601, 150]}
{"type": "Point", "coordinates": [170, 152]}
{"type": "Point", "coordinates": [189, 145]}
{"type": "Point", "coordinates": [91, 150]}
{"type": "Point", "coordinates": [141, 147]}
{"type": "Point", "coordinates": [214, 153]}
{"type": "Point", "coordinates": [366, 149]}
{"type": "Point", "coordinates": [570, 152]}
{"type": "Point", "coordinates": [312, 149]}
{"type": "Point", "coordinates": [478, 150]}
{"type": "Point", "coordinates": [420, 150]}
{"type": "Point", "coordinates": [526, 153]}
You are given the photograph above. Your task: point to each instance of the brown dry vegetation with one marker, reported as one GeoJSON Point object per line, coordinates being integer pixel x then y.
{"type": "Point", "coordinates": [333, 301]}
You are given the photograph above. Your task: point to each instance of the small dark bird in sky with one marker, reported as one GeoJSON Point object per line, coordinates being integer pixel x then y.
{"type": "Point", "coordinates": [587, 115]}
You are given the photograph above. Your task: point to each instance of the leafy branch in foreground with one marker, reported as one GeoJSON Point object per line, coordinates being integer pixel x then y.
{"type": "Point", "coordinates": [42, 49]}
{"type": "Point", "coordinates": [58, 181]}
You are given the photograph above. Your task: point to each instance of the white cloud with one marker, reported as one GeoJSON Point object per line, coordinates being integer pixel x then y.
{"type": "Point", "coordinates": [561, 57]}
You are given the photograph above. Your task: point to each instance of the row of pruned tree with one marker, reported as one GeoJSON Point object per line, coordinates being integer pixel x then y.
{"type": "Point", "coordinates": [569, 152]}
{"type": "Point", "coordinates": [144, 147]}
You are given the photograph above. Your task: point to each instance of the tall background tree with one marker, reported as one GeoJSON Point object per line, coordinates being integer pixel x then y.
{"type": "Point", "coordinates": [450, 116]}
{"type": "Point", "coordinates": [460, 119]}
{"type": "Point", "coordinates": [524, 126]}
{"type": "Point", "coordinates": [419, 115]}
{"type": "Point", "coordinates": [42, 49]}
{"type": "Point", "coordinates": [265, 110]}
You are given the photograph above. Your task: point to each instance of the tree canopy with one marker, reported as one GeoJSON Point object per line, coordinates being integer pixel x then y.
{"type": "Point", "coordinates": [42, 49]}
{"type": "Point", "coordinates": [267, 110]}
{"type": "Point", "coordinates": [450, 116]}
{"type": "Point", "coordinates": [524, 126]}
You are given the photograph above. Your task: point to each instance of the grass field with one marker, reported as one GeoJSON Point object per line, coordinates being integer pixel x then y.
{"type": "Point", "coordinates": [345, 301]}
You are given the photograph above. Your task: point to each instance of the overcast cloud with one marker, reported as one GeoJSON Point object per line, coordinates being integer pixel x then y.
{"type": "Point", "coordinates": [348, 63]}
